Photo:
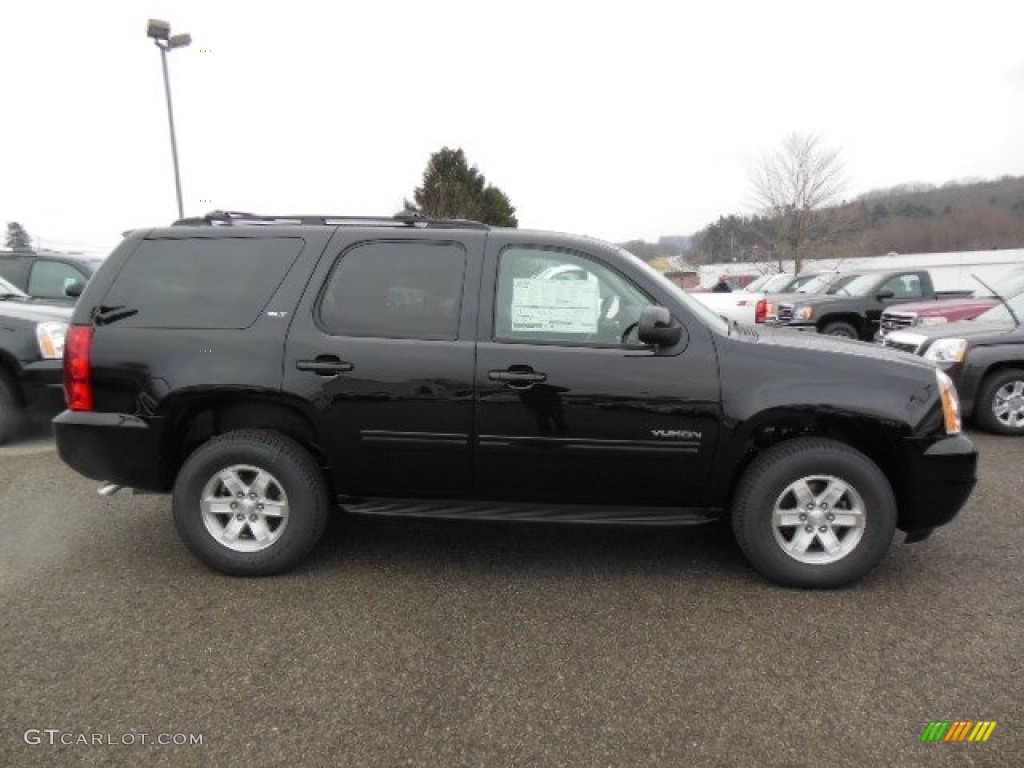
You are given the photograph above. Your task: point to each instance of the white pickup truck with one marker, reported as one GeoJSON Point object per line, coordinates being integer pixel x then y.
{"type": "Point", "coordinates": [741, 306]}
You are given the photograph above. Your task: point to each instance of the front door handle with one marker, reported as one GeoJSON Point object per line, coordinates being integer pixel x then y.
{"type": "Point", "coordinates": [324, 365]}
{"type": "Point", "coordinates": [518, 377]}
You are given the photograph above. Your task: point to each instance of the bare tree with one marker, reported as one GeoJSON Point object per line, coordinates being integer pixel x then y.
{"type": "Point", "coordinates": [790, 185]}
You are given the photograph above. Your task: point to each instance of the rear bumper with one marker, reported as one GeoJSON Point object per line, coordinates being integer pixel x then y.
{"type": "Point", "coordinates": [940, 478]}
{"type": "Point", "coordinates": [114, 447]}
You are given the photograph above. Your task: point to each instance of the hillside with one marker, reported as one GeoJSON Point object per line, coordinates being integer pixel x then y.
{"type": "Point", "coordinates": [911, 218]}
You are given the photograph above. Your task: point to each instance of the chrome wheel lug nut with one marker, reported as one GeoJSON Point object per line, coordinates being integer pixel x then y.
{"type": "Point", "coordinates": [259, 506]}
{"type": "Point", "coordinates": [830, 517]}
{"type": "Point", "coordinates": [803, 517]}
{"type": "Point", "coordinates": [823, 528]}
{"type": "Point", "coordinates": [240, 516]}
{"type": "Point", "coordinates": [809, 529]}
{"type": "Point", "coordinates": [234, 505]}
{"type": "Point", "coordinates": [253, 518]}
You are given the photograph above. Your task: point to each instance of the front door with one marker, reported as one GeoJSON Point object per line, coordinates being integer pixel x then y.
{"type": "Point", "coordinates": [570, 407]}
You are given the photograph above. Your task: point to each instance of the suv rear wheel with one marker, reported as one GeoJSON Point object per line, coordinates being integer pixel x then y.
{"type": "Point", "coordinates": [250, 503]}
{"type": "Point", "coordinates": [814, 513]}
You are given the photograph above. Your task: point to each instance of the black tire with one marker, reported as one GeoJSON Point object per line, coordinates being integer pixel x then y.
{"type": "Point", "coordinates": [841, 329]}
{"type": "Point", "coordinates": [825, 466]}
{"type": "Point", "coordinates": [282, 475]}
{"type": "Point", "coordinates": [999, 407]}
{"type": "Point", "coordinates": [11, 408]}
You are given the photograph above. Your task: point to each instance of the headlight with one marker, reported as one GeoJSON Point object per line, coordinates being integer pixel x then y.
{"type": "Point", "coordinates": [932, 320]}
{"type": "Point", "coordinates": [50, 337]}
{"type": "Point", "coordinates": [947, 351]}
{"type": "Point", "coordinates": [803, 313]}
{"type": "Point", "coordinates": [950, 403]}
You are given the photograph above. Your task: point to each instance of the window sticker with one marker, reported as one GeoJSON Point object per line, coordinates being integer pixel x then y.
{"type": "Point", "coordinates": [559, 306]}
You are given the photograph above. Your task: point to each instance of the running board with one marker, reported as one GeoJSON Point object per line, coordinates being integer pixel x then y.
{"type": "Point", "coordinates": [458, 509]}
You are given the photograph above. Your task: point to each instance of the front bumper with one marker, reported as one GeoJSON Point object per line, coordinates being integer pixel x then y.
{"type": "Point", "coordinates": [939, 477]}
{"type": "Point", "coordinates": [794, 326]}
{"type": "Point", "coordinates": [42, 382]}
{"type": "Point", "coordinates": [113, 447]}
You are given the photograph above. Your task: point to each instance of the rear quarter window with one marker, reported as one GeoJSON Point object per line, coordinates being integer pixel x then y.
{"type": "Point", "coordinates": [201, 283]}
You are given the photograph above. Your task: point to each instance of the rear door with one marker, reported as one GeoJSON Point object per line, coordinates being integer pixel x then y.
{"type": "Point", "coordinates": [382, 351]}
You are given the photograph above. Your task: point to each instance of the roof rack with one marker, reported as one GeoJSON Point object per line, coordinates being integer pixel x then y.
{"type": "Point", "coordinates": [401, 219]}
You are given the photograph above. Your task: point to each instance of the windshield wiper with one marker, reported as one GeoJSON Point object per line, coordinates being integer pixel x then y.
{"type": "Point", "coordinates": [108, 315]}
{"type": "Point", "coordinates": [998, 295]}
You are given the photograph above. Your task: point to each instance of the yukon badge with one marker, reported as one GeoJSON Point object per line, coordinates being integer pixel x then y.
{"type": "Point", "coordinates": [683, 434]}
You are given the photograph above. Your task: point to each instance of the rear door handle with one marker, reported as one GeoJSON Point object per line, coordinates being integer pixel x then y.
{"type": "Point", "coordinates": [324, 365]}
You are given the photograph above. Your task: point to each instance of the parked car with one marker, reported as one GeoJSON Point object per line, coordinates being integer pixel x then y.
{"type": "Point", "coordinates": [31, 348]}
{"type": "Point", "coordinates": [942, 311]}
{"type": "Point", "coordinates": [264, 369]}
{"type": "Point", "coordinates": [855, 310]}
{"type": "Point", "coordinates": [783, 282]}
{"type": "Point", "coordinates": [56, 277]}
{"type": "Point", "coordinates": [816, 283]}
{"type": "Point", "coordinates": [985, 357]}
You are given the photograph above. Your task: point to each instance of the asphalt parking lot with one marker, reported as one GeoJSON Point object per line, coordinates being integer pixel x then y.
{"type": "Point", "coordinates": [439, 644]}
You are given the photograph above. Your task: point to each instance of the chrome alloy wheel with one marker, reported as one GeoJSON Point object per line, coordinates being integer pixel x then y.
{"type": "Point", "coordinates": [1008, 404]}
{"type": "Point", "coordinates": [244, 508]}
{"type": "Point", "coordinates": [818, 519]}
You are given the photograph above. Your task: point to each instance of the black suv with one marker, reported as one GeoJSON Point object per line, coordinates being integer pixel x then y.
{"type": "Point", "coordinates": [266, 368]}
{"type": "Point", "coordinates": [56, 277]}
{"type": "Point", "coordinates": [31, 347]}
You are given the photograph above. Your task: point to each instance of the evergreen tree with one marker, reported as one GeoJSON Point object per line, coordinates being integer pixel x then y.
{"type": "Point", "coordinates": [17, 237]}
{"type": "Point", "coordinates": [453, 190]}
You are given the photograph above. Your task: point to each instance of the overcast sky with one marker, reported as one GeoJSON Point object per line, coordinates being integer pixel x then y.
{"type": "Point", "coordinates": [619, 120]}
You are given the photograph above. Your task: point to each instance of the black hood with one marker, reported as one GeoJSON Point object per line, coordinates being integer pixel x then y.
{"type": "Point", "coordinates": [39, 313]}
{"type": "Point", "coordinates": [974, 331]}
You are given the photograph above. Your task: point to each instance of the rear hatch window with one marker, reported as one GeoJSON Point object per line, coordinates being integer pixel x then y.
{"type": "Point", "coordinates": [201, 282]}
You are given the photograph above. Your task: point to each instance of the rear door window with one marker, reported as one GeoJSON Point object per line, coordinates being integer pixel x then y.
{"type": "Point", "coordinates": [202, 282]}
{"type": "Point", "coordinates": [396, 290]}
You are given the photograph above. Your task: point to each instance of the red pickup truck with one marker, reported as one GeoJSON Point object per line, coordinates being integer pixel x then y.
{"type": "Point", "coordinates": [923, 313]}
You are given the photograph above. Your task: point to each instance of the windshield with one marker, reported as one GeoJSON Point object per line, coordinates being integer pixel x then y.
{"type": "Point", "coordinates": [777, 283]}
{"type": "Point", "coordinates": [7, 290]}
{"type": "Point", "coordinates": [1010, 285]}
{"type": "Point", "coordinates": [999, 313]}
{"type": "Point", "coordinates": [862, 285]}
{"type": "Point", "coordinates": [760, 283]}
{"type": "Point", "coordinates": [818, 283]}
{"type": "Point", "coordinates": [709, 316]}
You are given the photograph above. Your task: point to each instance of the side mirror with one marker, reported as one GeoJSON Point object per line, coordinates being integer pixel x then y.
{"type": "Point", "coordinates": [656, 328]}
{"type": "Point", "coordinates": [73, 288]}
{"type": "Point", "coordinates": [886, 294]}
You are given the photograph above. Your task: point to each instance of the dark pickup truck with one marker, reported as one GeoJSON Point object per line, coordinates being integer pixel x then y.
{"type": "Point", "coordinates": [265, 369]}
{"type": "Point", "coordinates": [855, 310]}
{"type": "Point", "coordinates": [31, 347]}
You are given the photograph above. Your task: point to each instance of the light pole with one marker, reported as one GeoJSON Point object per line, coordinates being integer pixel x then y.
{"type": "Point", "coordinates": [160, 32]}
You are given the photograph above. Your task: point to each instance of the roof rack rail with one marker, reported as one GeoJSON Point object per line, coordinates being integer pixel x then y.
{"type": "Point", "coordinates": [401, 219]}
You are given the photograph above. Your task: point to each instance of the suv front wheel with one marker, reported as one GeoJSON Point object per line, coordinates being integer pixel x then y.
{"type": "Point", "coordinates": [250, 503]}
{"type": "Point", "coordinates": [814, 512]}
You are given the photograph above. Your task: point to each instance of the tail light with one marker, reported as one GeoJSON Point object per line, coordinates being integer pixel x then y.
{"type": "Point", "coordinates": [77, 374]}
{"type": "Point", "coordinates": [760, 311]}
